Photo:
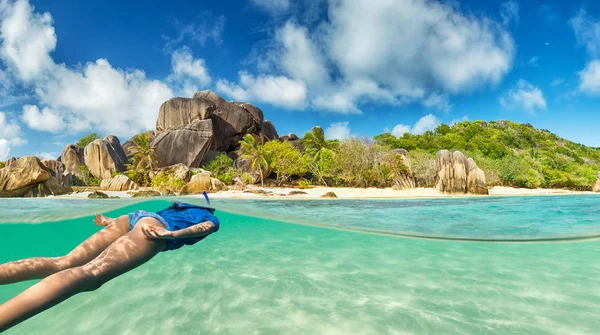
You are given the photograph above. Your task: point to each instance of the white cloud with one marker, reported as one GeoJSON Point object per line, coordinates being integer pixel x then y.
{"type": "Point", "coordinates": [438, 101]}
{"type": "Point", "coordinates": [587, 32]}
{"type": "Point", "coordinates": [46, 155]}
{"type": "Point", "coordinates": [525, 96]}
{"type": "Point", "coordinates": [46, 119]}
{"type": "Point", "coordinates": [400, 129]}
{"type": "Point", "coordinates": [276, 90]}
{"type": "Point", "coordinates": [189, 74]}
{"type": "Point", "coordinates": [533, 61]}
{"type": "Point", "coordinates": [462, 119]}
{"type": "Point", "coordinates": [440, 52]}
{"type": "Point", "coordinates": [272, 6]}
{"type": "Point", "coordinates": [426, 123]}
{"type": "Point", "coordinates": [557, 82]}
{"type": "Point", "coordinates": [589, 78]}
{"type": "Point", "coordinates": [4, 149]}
{"type": "Point", "coordinates": [509, 11]}
{"type": "Point", "coordinates": [27, 39]}
{"type": "Point", "coordinates": [208, 27]}
{"type": "Point", "coordinates": [94, 95]}
{"type": "Point", "coordinates": [8, 129]}
{"type": "Point", "coordinates": [17, 141]}
{"type": "Point", "coordinates": [337, 131]}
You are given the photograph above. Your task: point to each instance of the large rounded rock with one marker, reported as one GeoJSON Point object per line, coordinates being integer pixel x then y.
{"type": "Point", "coordinates": [178, 112]}
{"type": "Point", "coordinates": [199, 183]}
{"type": "Point", "coordinates": [118, 183]}
{"type": "Point", "coordinates": [458, 175]}
{"type": "Point", "coordinates": [29, 177]}
{"type": "Point", "coordinates": [180, 171]}
{"type": "Point", "coordinates": [186, 145]}
{"type": "Point", "coordinates": [231, 120]}
{"type": "Point", "coordinates": [59, 171]}
{"type": "Point", "coordinates": [104, 157]}
{"type": "Point", "coordinates": [10, 161]}
{"type": "Point", "coordinates": [268, 131]}
{"type": "Point", "coordinates": [72, 158]}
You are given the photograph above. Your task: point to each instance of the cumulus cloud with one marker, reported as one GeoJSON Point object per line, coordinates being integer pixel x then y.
{"type": "Point", "coordinates": [509, 11]}
{"type": "Point", "coordinates": [443, 52]}
{"type": "Point", "coordinates": [426, 123]}
{"type": "Point", "coordinates": [276, 90]}
{"type": "Point", "coordinates": [45, 120]}
{"type": "Point", "coordinates": [46, 155]}
{"type": "Point", "coordinates": [189, 74]}
{"type": "Point", "coordinates": [17, 141]}
{"type": "Point", "coordinates": [533, 61]}
{"type": "Point", "coordinates": [93, 95]}
{"type": "Point", "coordinates": [525, 96]}
{"type": "Point", "coordinates": [207, 27]}
{"type": "Point", "coordinates": [337, 131]}
{"type": "Point", "coordinates": [8, 129]}
{"type": "Point", "coordinates": [589, 78]}
{"type": "Point", "coordinates": [4, 149]}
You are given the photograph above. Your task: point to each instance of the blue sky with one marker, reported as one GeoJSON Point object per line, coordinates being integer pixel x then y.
{"type": "Point", "coordinates": [353, 67]}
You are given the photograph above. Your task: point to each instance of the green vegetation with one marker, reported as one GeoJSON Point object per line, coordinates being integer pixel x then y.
{"type": "Point", "coordinates": [252, 149]}
{"type": "Point", "coordinates": [222, 168]}
{"type": "Point", "coordinates": [143, 160]}
{"type": "Point", "coordinates": [86, 178]}
{"type": "Point", "coordinates": [304, 183]}
{"type": "Point", "coordinates": [167, 179]}
{"type": "Point", "coordinates": [285, 160]}
{"type": "Point", "coordinates": [2, 165]}
{"type": "Point", "coordinates": [509, 153]}
{"type": "Point", "coordinates": [84, 141]}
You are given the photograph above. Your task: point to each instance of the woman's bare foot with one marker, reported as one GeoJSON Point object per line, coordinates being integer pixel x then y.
{"type": "Point", "coordinates": [101, 220]}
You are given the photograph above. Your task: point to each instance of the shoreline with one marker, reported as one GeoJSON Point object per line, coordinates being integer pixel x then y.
{"type": "Point", "coordinates": [281, 193]}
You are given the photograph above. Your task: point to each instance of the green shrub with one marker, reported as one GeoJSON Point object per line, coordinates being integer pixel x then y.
{"type": "Point", "coordinates": [86, 178]}
{"type": "Point", "coordinates": [285, 160]}
{"type": "Point", "coordinates": [167, 179]}
{"type": "Point", "coordinates": [226, 178]}
{"type": "Point", "coordinates": [2, 165]}
{"type": "Point", "coordinates": [304, 183]}
{"type": "Point", "coordinates": [220, 165]}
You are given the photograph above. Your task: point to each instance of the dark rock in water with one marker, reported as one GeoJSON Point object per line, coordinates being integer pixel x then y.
{"type": "Point", "coordinates": [268, 131]}
{"type": "Point", "coordinates": [260, 192]}
{"type": "Point", "coordinates": [329, 195]}
{"type": "Point", "coordinates": [146, 194]}
{"type": "Point", "coordinates": [98, 195]}
{"type": "Point", "coordinates": [297, 193]}
{"type": "Point", "coordinates": [72, 157]}
{"type": "Point", "coordinates": [178, 112]}
{"type": "Point", "coordinates": [104, 157]}
{"type": "Point", "coordinates": [458, 175]}
{"type": "Point", "coordinates": [186, 145]}
{"type": "Point", "coordinates": [115, 197]}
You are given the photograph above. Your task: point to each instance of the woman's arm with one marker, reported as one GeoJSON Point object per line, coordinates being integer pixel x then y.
{"type": "Point", "coordinates": [198, 230]}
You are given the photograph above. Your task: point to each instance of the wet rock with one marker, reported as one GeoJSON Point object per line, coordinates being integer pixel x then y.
{"type": "Point", "coordinates": [330, 195]}
{"type": "Point", "coordinates": [98, 195]}
{"type": "Point", "coordinates": [297, 193]}
{"type": "Point", "coordinates": [146, 194]}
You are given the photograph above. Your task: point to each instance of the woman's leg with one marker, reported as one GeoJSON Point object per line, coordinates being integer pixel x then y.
{"type": "Point", "coordinates": [128, 252]}
{"type": "Point", "coordinates": [41, 267]}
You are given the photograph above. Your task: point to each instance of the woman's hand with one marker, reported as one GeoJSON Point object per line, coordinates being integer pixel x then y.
{"type": "Point", "coordinates": [157, 233]}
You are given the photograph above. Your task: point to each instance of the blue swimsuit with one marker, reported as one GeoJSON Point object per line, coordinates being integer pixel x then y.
{"type": "Point", "coordinates": [178, 216]}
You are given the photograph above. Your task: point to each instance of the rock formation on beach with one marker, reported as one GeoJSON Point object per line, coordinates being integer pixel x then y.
{"type": "Point", "coordinates": [72, 157]}
{"type": "Point", "coordinates": [458, 175]}
{"type": "Point", "coordinates": [406, 180]}
{"type": "Point", "coordinates": [186, 145]}
{"type": "Point", "coordinates": [103, 157]}
{"type": "Point", "coordinates": [202, 182]}
{"type": "Point", "coordinates": [596, 187]}
{"type": "Point", "coordinates": [29, 177]}
{"type": "Point", "coordinates": [118, 183]}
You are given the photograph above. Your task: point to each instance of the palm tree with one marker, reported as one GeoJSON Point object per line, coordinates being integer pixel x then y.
{"type": "Point", "coordinates": [314, 141]}
{"type": "Point", "coordinates": [142, 151]}
{"type": "Point", "coordinates": [252, 149]}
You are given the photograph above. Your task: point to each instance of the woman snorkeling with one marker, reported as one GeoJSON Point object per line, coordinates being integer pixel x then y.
{"type": "Point", "coordinates": [122, 245]}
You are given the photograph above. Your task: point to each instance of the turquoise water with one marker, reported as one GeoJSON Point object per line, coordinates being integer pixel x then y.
{"type": "Point", "coordinates": [268, 276]}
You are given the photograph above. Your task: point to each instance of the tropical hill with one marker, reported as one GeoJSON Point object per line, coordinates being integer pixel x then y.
{"type": "Point", "coordinates": [510, 154]}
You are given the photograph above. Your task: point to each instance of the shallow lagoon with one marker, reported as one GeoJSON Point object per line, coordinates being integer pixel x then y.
{"type": "Point", "coordinates": [269, 276]}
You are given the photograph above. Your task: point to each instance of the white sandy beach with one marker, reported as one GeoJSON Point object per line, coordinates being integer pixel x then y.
{"type": "Point", "coordinates": [351, 193]}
